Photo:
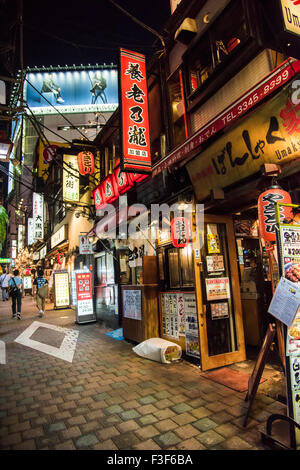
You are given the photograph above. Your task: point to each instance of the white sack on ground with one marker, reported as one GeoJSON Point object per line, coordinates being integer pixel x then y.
{"type": "Point", "coordinates": [158, 349]}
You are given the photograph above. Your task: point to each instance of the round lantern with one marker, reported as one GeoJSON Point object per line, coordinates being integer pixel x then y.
{"type": "Point", "coordinates": [266, 211]}
{"type": "Point", "coordinates": [60, 258]}
{"type": "Point", "coordinates": [86, 163]}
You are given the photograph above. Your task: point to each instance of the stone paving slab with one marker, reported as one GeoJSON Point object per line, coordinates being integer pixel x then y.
{"type": "Point", "coordinates": [108, 398]}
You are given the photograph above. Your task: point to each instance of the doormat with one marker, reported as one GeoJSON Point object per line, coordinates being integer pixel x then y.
{"type": "Point", "coordinates": [230, 378]}
{"type": "Point", "coordinates": [116, 334]}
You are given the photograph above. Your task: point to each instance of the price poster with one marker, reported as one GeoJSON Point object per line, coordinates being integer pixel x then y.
{"type": "Point", "coordinates": [290, 236]}
{"type": "Point", "coordinates": [172, 304]}
{"type": "Point", "coordinates": [132, 304]}
{"type": "Point", "coordinates": [192, 345]}
{"type": "Point", "coordinates": [83, 286]}
{"type": "Point", "coordinates": [215, 263]}
{"type": "Point", "coordinates": [217, 288]}
{"type": "Point", "coordinates": [61, 289]}
{"type": "Point", "coordinates": [219, 310]}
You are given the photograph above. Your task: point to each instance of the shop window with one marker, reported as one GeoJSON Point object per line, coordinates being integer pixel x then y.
{"type": "Point", "coordinates": [180, 267]}
{"type": "Point", "coordinates": [200, 65]}
{"type": "Point", "coordinates": [177, 108]}
{"type": "Point", "coordinates": [229, 32]}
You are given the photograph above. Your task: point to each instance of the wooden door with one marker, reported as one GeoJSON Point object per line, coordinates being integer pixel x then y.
{"type": "Point", "coordinates": [218, 294]}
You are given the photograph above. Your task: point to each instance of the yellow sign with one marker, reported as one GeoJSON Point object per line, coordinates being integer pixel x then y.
{"type": "Point", "coordinates": [270, 135]}
{"type": "Point", "coordinates": [43, 166]}
{"type": "Point", "coordinates": [291, 15]}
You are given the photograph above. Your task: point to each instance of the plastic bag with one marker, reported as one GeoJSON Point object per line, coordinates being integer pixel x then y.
{"type": "Point", "coordinates": [159, 350]}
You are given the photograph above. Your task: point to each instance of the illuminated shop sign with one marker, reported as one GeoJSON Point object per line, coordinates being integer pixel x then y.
{"type": "Point", "coordinates": [61, 289]}
{"type": "Point", "coordinates": [82, 294]}
{"type": "Point", "coordinates": [180, 232]}
{"type": "Point", "coordinates": [72, 91]}
{"type": "Point", "coordinates": [14, 249]}
{"type": "Point", "coordinates": [21, 236]}
{"type": "Point", "coordinates": [30, 239]}
{"type": "Point", "coordinates": [109, 190]}
{"type": "Point", "coordinates": [86, 163]}
{"type": "Point", "coordinates": [291, 15]}
{"type": "Point", "coordinates": [59, 236]}
{"type": "Point", "coordinates": [136, 154]}
{"type": "Point", "coordinates": [38, 216]}
{"type": "Point", "coordinates": [70, 179]}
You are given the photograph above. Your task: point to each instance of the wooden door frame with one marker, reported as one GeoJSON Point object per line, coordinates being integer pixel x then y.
{"type": "Point", "coordinates": [213, 362]}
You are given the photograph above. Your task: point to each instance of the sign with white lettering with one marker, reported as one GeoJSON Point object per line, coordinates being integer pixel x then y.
{"type": "Point", "coordinates": [38, 216]}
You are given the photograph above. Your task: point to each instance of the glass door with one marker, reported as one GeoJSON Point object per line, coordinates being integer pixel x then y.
{"type": "Point", "coordinates": [218, 292]}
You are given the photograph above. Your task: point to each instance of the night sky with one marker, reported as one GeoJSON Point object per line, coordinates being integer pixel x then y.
{"type": "Point", "coordinates": [95, 23]}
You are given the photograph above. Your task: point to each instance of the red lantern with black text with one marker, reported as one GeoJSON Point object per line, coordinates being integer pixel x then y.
{"type": "Point", "coordinates": [109, 191]}
{"type": "Point", "coordinates": [180, 232]}
{"type": "Point", "coordinates": [266, 211]}
{"type": "Point", "coordinates": [60, 258]}
{"type": "Point", "coordinates": [86, 164]}
{"type": "Point", "coordinates": [98, 198]}
{"type": "Point", "coordinates": [122, 180]}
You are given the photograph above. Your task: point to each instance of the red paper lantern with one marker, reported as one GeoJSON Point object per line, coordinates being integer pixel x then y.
{"type": "Point", "coordinates": [266, 211]}
{"type": "Point", "coordinates": [136, 177]}
{"type": "Point", "coordinates": [109, 191]}
{"type": "Point", "coordinates": [180, 232]}
{"type": "Point", "coordinates": [98, 198]}
{"type": "Point", "coordinates": [60, 258]}
{"type": "Point", "coordinates": [86, 164]}
{"type": "Point", "coordinates": [122, 181]}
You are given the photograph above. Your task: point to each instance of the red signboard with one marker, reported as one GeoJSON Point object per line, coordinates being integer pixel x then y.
{"type": "Point", "coordinates": [136, 155]}
{"type": "Point", "coordinates": [259, 92]}
{"type": "Point", "coordinates": [180, 232]}
{"type": "Point", "coordinates": [266, 211]}
{"type": "Point", "coordinates": [49, 153]}
{"type": "Point", "coordinates": [84, 286]}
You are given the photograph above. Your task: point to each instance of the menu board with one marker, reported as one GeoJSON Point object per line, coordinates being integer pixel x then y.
{"type": "Point", "coordinates": [215, 263]}
{"type": "Point", "coordinates": [179, 318]}
{"type": "Point", "coordinates": [219, 310]}
{"type": "Point", "coordinates": [61, 289]}
{"type": "Point", "coordinates": [217, 288]}
{"type": "Point", "coordinates": [132, 304]}
{"type": "Point", "coordinates": [295, 386]}
{"type": "Point", "coordinates": [84, 296]}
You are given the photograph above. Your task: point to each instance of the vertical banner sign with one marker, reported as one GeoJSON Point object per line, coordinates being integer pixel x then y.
{"type": "Point", "coordinates": [84, 297]}
{"type": "Point", "coordinates": [30, 239]}
{"type": "Point", "coordinates": [14, 249]}
{"type": "Point", "coordinates": [288, 239]}
{"type": "Point", "coordinates": [70, 179]}
{"type": "Point", "coordinates": [61, 289]}
{"type": "Point", "coordinates": [38, 216]}
{"type": "Point", "coordinates": [136, 155]}
{"type": "Point", "coordinates": [21, 236]}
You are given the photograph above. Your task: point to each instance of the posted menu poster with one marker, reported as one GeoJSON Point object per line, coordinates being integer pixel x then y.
{"type": "Point", "coordinates": [213, 241]}
{"type": "Point", "coordinates": [215, 263]}
{"type": "Point", "coordinates": [219, 310]}
{"type": "Point", "coordinates": [293, 338]}
{"type": "Point", "coordinates": [192, 343]}
{"type": "Point", "coordinates": [170, 320]}
{"type": "Point", "coordinates": [132, 304]}
{"type": "Point", "coordinates": [61, 289]}
{"type": "Point", "coordinates": [290, 236]}
{"type": "Point", "coordinates": [217, 288]}
{"type": "Point", "coordinates": [285, 302]}
{"type": "Point", "coordinates": [82, 282]}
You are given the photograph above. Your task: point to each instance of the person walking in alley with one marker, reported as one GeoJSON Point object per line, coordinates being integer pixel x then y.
{"type": "Point", "coordinates": [41, 284]}
{"type": "Point", "coordinates": [4, 280]}
{"type": "Point", "coordinates": [15, 291]}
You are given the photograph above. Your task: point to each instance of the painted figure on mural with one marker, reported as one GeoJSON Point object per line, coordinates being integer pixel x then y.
{"type": "Point", "coordinates": [50, 87]}
{"type": "Point", "coordinates": [98, 86]}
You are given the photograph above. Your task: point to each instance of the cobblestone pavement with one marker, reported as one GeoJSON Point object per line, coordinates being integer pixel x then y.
{"type": "Point", "coordinates": [109, 398]}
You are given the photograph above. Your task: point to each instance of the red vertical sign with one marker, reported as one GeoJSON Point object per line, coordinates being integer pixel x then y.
{"type": "Point", "coordinates": [136, 156]}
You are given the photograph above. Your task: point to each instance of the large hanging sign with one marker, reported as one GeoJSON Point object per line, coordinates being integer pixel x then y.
{"type": "Point", "coordinates": [38, 216]}
{"type": "Point", "coordinates": [61, 289]}
{"type": "Point", "coordinates": [266, 211]}
{"type": "Point", "coordinates": [270, 135]}
{"type": "Point", "coordinates": [86, 163]}
{"type": "Point", "coordinates": [136, 154]}
{"type": "Point", "coordinates": [70, 179]}
{"type": "Point", "coordinates": [83, 295]}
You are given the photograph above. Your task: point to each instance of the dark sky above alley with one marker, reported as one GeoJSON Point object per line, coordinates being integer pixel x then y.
{"type": "Point", "coordinates": [95, 23]}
